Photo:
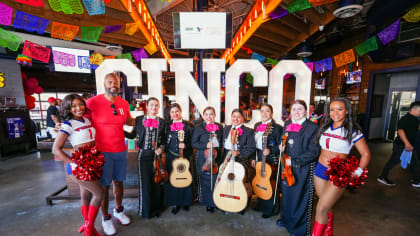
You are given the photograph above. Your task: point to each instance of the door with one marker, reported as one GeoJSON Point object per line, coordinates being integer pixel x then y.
{"type": "Point", "coordinates": [400, 105]}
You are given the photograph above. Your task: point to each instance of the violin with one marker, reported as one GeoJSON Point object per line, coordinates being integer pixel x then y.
{"type": "Point", "coordinates": [210, 154]}
{"type": "Point", "coordinates": [161, 175]}
{"type": "Point", "coordinates": [287, 173]}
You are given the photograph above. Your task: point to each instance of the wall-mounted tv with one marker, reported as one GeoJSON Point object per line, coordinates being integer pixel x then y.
{"type": "Point", "coordinates": [354, 77]}
{"type": "Point", "coordinates": [202, 30]}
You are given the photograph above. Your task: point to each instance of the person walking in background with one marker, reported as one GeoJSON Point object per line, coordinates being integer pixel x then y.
{"type": "Point", "coordinates": [408, 127]}
{"type": "Point", "coordinates": [52, 118]}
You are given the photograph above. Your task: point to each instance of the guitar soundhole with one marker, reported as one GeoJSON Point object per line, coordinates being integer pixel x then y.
{"type": "Point", "coordinates": [231, 176]}
{"type": "Point", "coordinates": [181, 168]}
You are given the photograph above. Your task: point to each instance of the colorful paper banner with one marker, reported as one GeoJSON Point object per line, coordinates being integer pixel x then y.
{"type": "Point", "coordinates": [390, 32]}
{"type": "Point", "coordinates": [310, 65]}
{"type": "Point", "coordinates": [298, 5]}
{"type": "Point", "coordinates": [9, 40]}
{"type": "Point", "coordinates": [6, 14]}
{"type": "Point", "coordinates": [344, 58]}
{"type": "Point", "coordinates": [131, 28]}
{"type": "Point", "coordinates": [71, 60]}
{"type": "Point", "coordinates": [125, 56]}
{"type": "Point", "coordinates": [64, 31]}
{"type": "Point", "coordinates": [30, 23]}
{"type": "Point", "coordinates": [94, 7]}
{"type": "Point", "coordinates": [273, 62]}
{"type": "Point", "coordinates": [248, 50]}
{"type": "Point", "coordinates": [139, 54]}
{"type": "Point", "coordinates": [64, 59]}
{"type": "Point", "coordinates": [151, 48]}
{"type": "Point", "coordinates": [83, 62]}
{"type": "Point", "coordinates": [67, 6]}
{"type": "Point", "coordinates": [321, 2]}
{"type": "Point", "coordinates": [36, 51]}
{"type": "Point", "coordinates": [367, 46]}
{"type": "Point", "coordinates": [257, 56]}
{"type": "Point", "coordinates": [413, 15]}
{"type": "Point", "coordinates": [278, 12]}
{"type": "Point", "coordinates": [112, 28]}
{"type": "Point", "coordinates": [91, 33]}
{"type": "Point", "coordinates": [323, 65]}
{"type": "Point", "coordinates": [35, 3]}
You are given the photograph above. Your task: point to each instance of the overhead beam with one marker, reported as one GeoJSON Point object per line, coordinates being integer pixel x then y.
{"type": "Point", "coordinates": [281, 29]}
{"type": "Point", "coordinates": [294, 23]}
{"type": "Point", "coordinates": [279, 40]}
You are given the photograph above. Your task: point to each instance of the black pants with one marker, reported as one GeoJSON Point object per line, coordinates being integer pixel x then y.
{"type": "Point", "coordinates": [397, 150]}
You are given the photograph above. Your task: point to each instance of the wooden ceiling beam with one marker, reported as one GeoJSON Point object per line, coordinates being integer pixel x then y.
{"type": "Point", "coordinates": [295, 23]}
{"type": "Point", "coordinates": [280, 29]}
{"type": "Point", "coordinates": [311, 15]}
{"type": "Point", "coordinates": [270, 46]}
{"type": "Point", "coordinates": [277, 39]}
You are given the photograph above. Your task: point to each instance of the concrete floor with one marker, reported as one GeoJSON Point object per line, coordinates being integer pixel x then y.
{"type": "Point", "coordinates": [26, 180]}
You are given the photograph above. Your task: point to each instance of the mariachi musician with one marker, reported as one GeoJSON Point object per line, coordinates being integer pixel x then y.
{"type": "Point", "coordinates": [245, 144]}
{"type": "Point", "coordinates": [201, 141]}
{"type": "Point", "coordinates": [177, 197]}
{"type": "Point", "coordinates": [300, 134]}
{"type": "Point", "coordinates": [271, 152]}
{"type": "Point", "coordinates": [150, 131]}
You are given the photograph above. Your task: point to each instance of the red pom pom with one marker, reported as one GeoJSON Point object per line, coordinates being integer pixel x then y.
{"type": "Point", "coordinates": [89, 163]}
{"type": "Point", "coordinates": [340, 172]}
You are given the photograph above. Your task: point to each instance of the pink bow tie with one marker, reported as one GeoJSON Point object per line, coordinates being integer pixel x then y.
{"type": "Point", "coordinates": [212, 127]}
{"type": "Point", "coordinates": [240, 131]}
{"type": "Point", "coordinates": [177, 126]}
{"type": "Point", "coordinates": [261, 127]}
{"type": "Point", "coordinates": [293, 127]}
{"type": "Point", "coordinates": [151, 123]}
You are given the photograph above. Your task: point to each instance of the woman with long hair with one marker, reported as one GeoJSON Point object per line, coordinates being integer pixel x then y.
{"type": "Point", "coordinates": [177, 197]}
{"type": "Point", "coordinates": [273, 130]}
{"type": "Point", "coordinates": [337, 135]}
{"type": "Point", "coordinates": [79, 131]}
{"type": "Point", "coordinates": [207, 135]}
{"type": "Point", "coordinates": [150, 132]}
{"type": "Point", "coordinates": [300, 155]}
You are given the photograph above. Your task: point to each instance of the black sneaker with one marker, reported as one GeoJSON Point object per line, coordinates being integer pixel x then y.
{"type": "Point", "coordinates": [385, 181]}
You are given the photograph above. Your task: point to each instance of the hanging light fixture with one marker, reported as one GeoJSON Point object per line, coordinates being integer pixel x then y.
{"type": "Point", "coordinates": [304, 51]}
{"type": "Point", "coordinates": [348, 8]}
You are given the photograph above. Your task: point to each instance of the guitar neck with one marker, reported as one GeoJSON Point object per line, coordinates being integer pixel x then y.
{"type": "Point", "coordinates": [263, 159]}
{"type": "Point", "coordinates": [181, 151]}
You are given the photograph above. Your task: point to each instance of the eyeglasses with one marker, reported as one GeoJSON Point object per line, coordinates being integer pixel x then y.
{"type": "Point", "coordinates": [115, 109]}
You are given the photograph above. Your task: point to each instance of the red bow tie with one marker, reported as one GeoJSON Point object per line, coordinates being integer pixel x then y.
{"type": "Point", "coordinates": [177, 126]}
{"type": "Point", "coordinates": [293, 127]}
{"type": "Point", "coordinates": [212, 127]}
{"type": "Point", "coordinates": [151, 123]}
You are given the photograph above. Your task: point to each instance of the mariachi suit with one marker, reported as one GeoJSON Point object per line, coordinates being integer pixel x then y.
{"type": "Point", "coordinates": [150, 193]}
{"type": "Point", "coordinates": [273, 141]}
{"type": "Point", "coordinates": [177, 196]}
{"type": "Point", "coordinates": [199, 141]}
{"type": "Point", "coordinates": [297, 199]}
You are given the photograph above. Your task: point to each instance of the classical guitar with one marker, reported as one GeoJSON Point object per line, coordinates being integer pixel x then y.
{"type": "Point", "coordinates": [230, 193]}
{"type": "Point", "coordinates": [261, 182]}
{"type": "Point", "coordinates": [180, 176]}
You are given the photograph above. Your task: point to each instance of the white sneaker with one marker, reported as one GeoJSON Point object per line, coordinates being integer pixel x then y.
{"type": "Point", "coordinates": [108, 227]}
{"type": "Point", "coordinates": [416, 185]}
{"type": "Point", "coordinates": [121, 217]}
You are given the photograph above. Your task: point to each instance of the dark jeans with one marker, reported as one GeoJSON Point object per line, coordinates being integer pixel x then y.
{"type": "Point", "coordinates": [397, 150]}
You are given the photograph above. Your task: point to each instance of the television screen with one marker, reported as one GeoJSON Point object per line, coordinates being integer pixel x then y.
{"type": "Point", "coordinates": [354, 77]}
{"type": "Point", "coordinates": [202, 30]}
{"type": "Point", "coordinates": [71, 60]}
{"type": "Point", "coordinates": [320, 83]}
{"type": "Point", "coordinates": [15, 126]}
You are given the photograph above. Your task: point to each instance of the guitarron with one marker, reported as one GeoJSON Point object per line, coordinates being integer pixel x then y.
{"type": "Point", "coordinates": [180, 176]}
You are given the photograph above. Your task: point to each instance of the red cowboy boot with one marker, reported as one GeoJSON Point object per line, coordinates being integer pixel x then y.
{"type": "Point", "coordinates": [318, 229]}
{"type": "Point", "coordinates": [90, 226]}
{"type": "Point", "coordinates": [329, 228]}
{"type": "Point", "coordinates": [84, 210]}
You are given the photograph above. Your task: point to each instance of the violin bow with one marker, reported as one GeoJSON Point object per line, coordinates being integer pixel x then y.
{"type": "Point", "coordinates": [278, 171]}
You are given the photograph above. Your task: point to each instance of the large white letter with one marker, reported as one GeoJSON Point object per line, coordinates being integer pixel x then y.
{"type": "Point", "coordinates": [154, 68]}
{"type": "Point", "coordinates": [124, 65]}
{"type": "Point", "coordinates": [275, 89]}
{"type": "Point", "coordinates": [214, 67]}
{"type": "Point", "coordinates": [232, 82]}
{"type": "Point", "coordinates": [186, 86]}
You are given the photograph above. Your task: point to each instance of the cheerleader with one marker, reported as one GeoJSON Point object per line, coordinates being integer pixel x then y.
{"type": "Point", "coordinates": [337, 135]}
{"type": "Point", "coordinates": [79, 131]}
{"type": "Point", "coordinates": [245, 144]}
{"type": "Point", "coordinates": [201, 141]}
{"type": "Point", "coordinates": [177, 197]}
{"type": "Point", "coordinates": [297, 197]}
{"type": "Point", "coordinates": [149, 130]}
{"type": "Point", "coordinates": [271, 152]}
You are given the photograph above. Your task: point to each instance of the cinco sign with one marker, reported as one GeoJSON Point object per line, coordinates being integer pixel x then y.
{"type": "Point", "coordinates": [35, 3]}
{"type": "Point", "coordinates": [36, 51]}
{"type": "Point", "coordinates": [344, 58]}
{"type": "Point", "coordinates": [64, 31]}
{"type": "Point", "coordinates": [6, 13]}
{"type": "Point", "coordinates": [30, 23]}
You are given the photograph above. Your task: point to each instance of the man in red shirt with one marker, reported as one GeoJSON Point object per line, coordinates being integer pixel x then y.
{"type": "Point", "coordinates": [109, 113]}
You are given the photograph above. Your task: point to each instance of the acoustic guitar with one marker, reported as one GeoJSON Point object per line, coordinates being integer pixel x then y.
{"type": "Point", "coordinates": [180, 176]}
{"type": "Point", "coordinates": [230, 193]}
{"type": "Point", "coordinates": [261, 182]}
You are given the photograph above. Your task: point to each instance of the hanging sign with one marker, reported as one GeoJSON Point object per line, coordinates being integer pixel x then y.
{"type": "Point", "coordinates": [6, 14]}
{"type": "Point", "coordinates": [35, 3]}
{"type": "Point", "coordinates": [139, 54]}
{"type": "Point", "coordinates": [15, 126]}
{"type": "Point", "coordinates": [64, 31]}
{"type": "Point", "coordinates": [367, 46]}
{"type": "Point", "coordinates": [9, 40]}
{"type": "Point", "coordinates": [30, 23]}
{"type": "Point", "coordinates": [323, 65]}
{"type": "Point", "coordinates": [36, 51]}
{"type": "Point", "coordinates": [67, 6]}
{"type": "Point", "coordinates": [112, 28]}
{"type": "Point", "coordinates": [344, 58]}
{"type": "Point", "coordinates": [91, 33]}
{"type": "Point", "coordinates": [71, 60]}
{"type": "Point", "coordinates": [390, 32]}
{"type": "Point", "coordinates": [298, 5]}
{"type": "Point", "coordinates": [94, 7]}
{"type": "Point", "coordinates": [320, 2]}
